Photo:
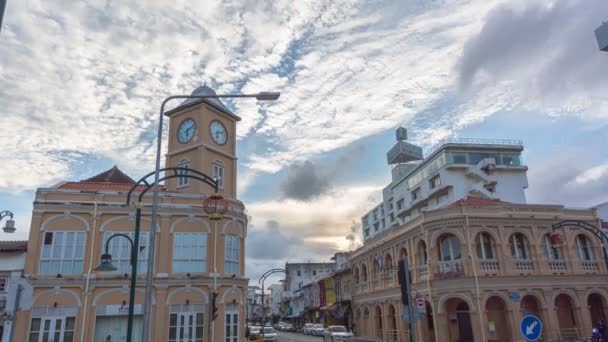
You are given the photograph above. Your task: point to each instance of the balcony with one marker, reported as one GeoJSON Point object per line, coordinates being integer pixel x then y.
{"type": "Point", "coordinates": [557, 266]}
{"type": "Point", "coordinates": [450, 269]}
{"type": "Point", "coordinates": [422, 271]}
{"type": "Point", "coordinates": [590, 266]}
{"type": "Point", "coordinates": [523, 265]}
{"type": "Point", "coordinates": [489, 266]}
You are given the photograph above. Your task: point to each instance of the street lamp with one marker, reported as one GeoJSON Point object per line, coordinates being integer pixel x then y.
{"type": "Point", "coordinates": [107, 266]}
{"type": "Point", "coordinates": [262, 96]}
{"type": "Point", "coordinates": [9, 227]}
{"type": "Point", "coordinates": [261, 280]}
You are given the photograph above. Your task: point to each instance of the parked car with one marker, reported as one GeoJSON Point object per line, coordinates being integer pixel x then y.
{"type": "Point", "coordinates": [287, 327]}
{"type": "Point", "coordinates": [337, 333]}
{"type": "Point", "coordinates": [318, 330]}
{"type": "Point", "coordinates": [307, 330]}
{"type": "Point", "coordinates": [270, 334]}
{"type": "Point", "coordinates": [254, 332]}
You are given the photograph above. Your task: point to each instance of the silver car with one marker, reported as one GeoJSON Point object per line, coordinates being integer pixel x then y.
{"type": "Point", "coordinates": [269, 334]}
{"type": "Point", "coordinates": [337, 333]}
{"type": "Point", "coordinates": [318, 330]}
{"type": "Point", "coordinates": [307, 330]}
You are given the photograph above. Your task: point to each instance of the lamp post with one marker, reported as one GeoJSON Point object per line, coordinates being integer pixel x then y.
{"type": "Point", "coordinates": [107, 266]}
{"type": "Point", "coordinates": [10, 223]}
{"type": "Point", "coordinates": [261, 280]}
{"type": "Point", "coordinates": [263, 96]}
{"type": "Point", "coordinates": [143, 185]}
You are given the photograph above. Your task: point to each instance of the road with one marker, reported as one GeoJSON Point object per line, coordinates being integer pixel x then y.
{"type": "Point", "coordinates": [291, 337]}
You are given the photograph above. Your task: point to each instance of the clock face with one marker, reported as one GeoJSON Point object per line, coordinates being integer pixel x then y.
{"type": "Point", "coordinates": [186, 130]}
{"type": "Point", "coordinates": [218, 132]}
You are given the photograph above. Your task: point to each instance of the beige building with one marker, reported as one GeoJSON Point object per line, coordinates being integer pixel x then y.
{"type": "Point", "coordinates": [481, 265]}
{"type": "Point", "coordinates": [195, 257]}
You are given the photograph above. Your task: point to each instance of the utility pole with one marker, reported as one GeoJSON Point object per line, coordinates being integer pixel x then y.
{"type": "Point", "coordinates": [2, 8]}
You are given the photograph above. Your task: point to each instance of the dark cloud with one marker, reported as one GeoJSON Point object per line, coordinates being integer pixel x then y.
{"type": "Point", "coordinates": [269, 243]}
{"type": "Point", "coordinates": [305, 181]}
{"type": "Point", "coordinates": [567, 180]}
{"type": "Point", "coordinates": [309, 180]}
{"type": "Point", "coordinates": [550, 48]}
{"type": "Point", "coordinates": [354, 236]}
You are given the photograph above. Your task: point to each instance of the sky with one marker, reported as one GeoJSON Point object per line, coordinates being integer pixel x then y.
{"type": "Point", "coordinates": [82, 83]}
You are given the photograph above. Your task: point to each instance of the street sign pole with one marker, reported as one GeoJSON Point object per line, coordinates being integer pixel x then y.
{"type": "Point", "coordinates": [408, 282]}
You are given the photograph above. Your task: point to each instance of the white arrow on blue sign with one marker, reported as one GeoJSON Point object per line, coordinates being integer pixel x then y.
{"type": "Point", "coordinates": [531, 328]}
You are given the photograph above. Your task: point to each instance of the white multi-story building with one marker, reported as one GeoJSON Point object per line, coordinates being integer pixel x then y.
{"type": "Point", "coordinates": [276, 296]}
{"type": "Point", "coordinates": [300, 274]}
{"type": "Point", "coordinates": [453, 169]}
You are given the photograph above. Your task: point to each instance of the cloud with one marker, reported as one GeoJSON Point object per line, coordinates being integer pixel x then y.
{"type": "Point", "coordinates": [570, 178]}
{"type": "Point", "coordinates": [304, 182]}
{"type": "Point", "coordinates": [543, 52]}
{"type": "Point", "coordinates": [269, 243]}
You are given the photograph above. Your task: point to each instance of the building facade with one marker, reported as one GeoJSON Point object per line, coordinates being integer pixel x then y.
{"type": "Point", "coordinates": [276, 297]}
{"type": "Point", "coordinates": [15, 291]}
{"type": "Point", "coordinates": [454, 168]}
{"type": "Point", "coordinates": [480, 266]}
{"type": "Point", "coordinates": [198, 261]}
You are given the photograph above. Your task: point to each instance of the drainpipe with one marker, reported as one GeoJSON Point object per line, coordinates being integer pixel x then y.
{"type": "Point", "coordinates": [483, 333]}
{"type": "Point", "coordinates": [14, 320]}
{"type": "Point", "coordinates": [86, 287]}
{"type": "Point", "coordinates": [428, 280]}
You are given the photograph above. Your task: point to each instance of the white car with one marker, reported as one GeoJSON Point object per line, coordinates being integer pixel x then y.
{"type": "Point", "coordinates": [337, 333]}
{"type": "Point", "coordinates": [307, 330]}
{"type": "Point", "coordinates": [318, 330]}
{"type": "Point", "coordinates": [269, 334]}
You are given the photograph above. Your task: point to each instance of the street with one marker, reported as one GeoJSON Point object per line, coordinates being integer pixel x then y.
{"type": "Point", "coordinates": [293, 337]}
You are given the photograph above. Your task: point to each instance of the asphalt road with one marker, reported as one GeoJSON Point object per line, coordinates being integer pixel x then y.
{"type": "Point", "coordinates": [293, 337]}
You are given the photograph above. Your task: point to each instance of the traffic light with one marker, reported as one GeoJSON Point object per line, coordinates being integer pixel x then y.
{"type": "Point", "coordinates": [214, 307]}
{"type": "Point", "coordinates": [402, 282]}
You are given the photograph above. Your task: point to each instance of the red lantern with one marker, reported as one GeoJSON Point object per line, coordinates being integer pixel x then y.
{"type": "Point", "coordinates": [215, 206]}
{"type": "Point", "coordinates": [555, 240]}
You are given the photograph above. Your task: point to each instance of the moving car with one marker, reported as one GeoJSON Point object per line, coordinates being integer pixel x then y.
{"type": "Point", "coordinates": [307, 330]}
{"type": "Point", "coordinates": [270, 334]}
{"type": "Point", "coordinates": [254, 332]}
{"type": "Point", "coordinates": [287, 327]}
{"type": "Point", "coordinates": [337, 333]}
{"type": "Point", "coordinates": [318, 330]}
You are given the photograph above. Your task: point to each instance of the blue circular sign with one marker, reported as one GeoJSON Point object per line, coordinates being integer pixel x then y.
{"type": "Point", "coordinates": [531, 328]}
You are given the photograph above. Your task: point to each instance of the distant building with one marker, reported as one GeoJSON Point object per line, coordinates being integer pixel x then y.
{"type": "Point", "coordinates": [276, 295]}
{"type": "Point", "coordinates": [454, 168]}
{"type": "Point", "coordinates": [602, 212]}
{"type": "Point", "coordinates": [13, 287]}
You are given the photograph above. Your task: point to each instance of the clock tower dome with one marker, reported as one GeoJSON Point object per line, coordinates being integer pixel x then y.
{"type": "Point", "coordinates": [202, 136]}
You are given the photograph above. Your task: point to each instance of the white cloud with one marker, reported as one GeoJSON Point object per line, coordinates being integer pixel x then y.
{"type": "Point", "coordinates": [592, 175]}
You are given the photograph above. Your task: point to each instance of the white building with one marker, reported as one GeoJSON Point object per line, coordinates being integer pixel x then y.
{"type": "Point", "coordinates": [15, 291]}
{"type": "Point", "coordinates": [602, 212]}
{"type": "Point", "coordinates": [454, 168]}
{"type": "Point", "coordinates": [276, 296]}
{"type": "Point", "coordinates": [300, 274]}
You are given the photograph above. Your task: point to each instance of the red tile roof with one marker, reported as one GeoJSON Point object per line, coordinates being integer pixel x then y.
{"type": "Point", "coordinates": [13, 246]}
{"type": "Point", "coordinates": [102, 186]}
{"type": "Point", "coordinates": [472, 201]}
{"type": "Point", "coordinates": [113, 175]}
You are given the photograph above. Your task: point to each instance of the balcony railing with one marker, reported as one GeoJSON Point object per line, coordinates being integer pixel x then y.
{"type": "Point", "coordinates": [422, 271]}
{"type": "Point", "coordinates": [452, 268]}
{"type": "Point", "coordinates": [590, 266]}
{"type": "Point", "coordinates": [523, 265]}
{"type": "Point", "coordinates": [488, 265]}
{"type": "Point", "coordinates": [557, 265]}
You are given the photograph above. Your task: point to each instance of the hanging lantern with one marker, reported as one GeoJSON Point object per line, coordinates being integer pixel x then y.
{"type": "Point", "coordinates": [215, 206]}
{"type": "Point", "coordinates": [555, 240]}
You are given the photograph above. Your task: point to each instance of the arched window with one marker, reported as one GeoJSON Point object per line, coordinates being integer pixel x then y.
{"type": "Point", "coordinates": [356, 275]}
{"type": "Point", "coordinates": [520, 248]}
{"type": "Point", "coordinates": [485, 246]}
{"type": "Point", "coordinates": [218, 173]}
{"type": "Point", "coordinates": [422, 254]}
{"type": "Point", "coordinates": [449, 247]}
{"type": "Point", "coordinates": [552, 253]}
{"type": "Point", "coordinates": [388, 265]}
{"type": "Point", "coordinates": [585, 249]}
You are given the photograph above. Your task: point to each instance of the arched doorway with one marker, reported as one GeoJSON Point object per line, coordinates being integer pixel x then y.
{"type": "Point", "coordinates": [459, 317]}
{"type": "Point", "coordinates": [498, 324]}
{"type": "Point", "coordinates": [428, 324]}
{"type": "Point", "coordinates": [365, 331]}
{"type": "Point", "coordinates": [597, 307]}
{"type": "Point", "coordinates": [566, 321]}
{"type": "Point", "coordinates": [378, 322]}
{"type": "Point", "coordinates": [530, 306]}
{"type": "Point", "coordinates": [392, 324]}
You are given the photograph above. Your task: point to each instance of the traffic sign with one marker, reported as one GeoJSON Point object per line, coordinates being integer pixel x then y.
{"type": "Point", "coordinates": [420, 304]}
{"type": "Point", "coordinates": [531, 328]}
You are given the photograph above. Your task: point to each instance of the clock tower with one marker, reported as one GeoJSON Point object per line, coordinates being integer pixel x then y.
{"type": "Point", "coordinates": [202, 136]}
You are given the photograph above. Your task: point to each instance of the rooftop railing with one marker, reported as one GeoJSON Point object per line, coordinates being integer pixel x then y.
{"type": "Point", "coordinates": [472, 141]}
